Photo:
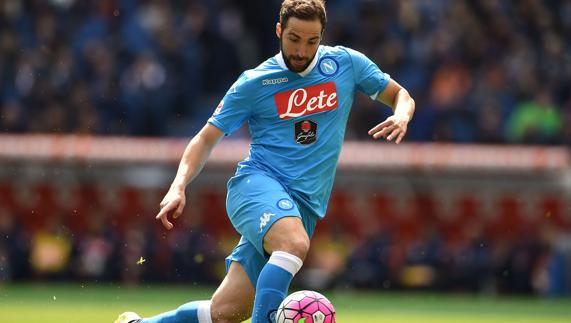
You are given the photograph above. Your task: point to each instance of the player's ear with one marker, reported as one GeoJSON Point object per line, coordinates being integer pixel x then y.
{"type": "Point", "coordinates": [278, 30]}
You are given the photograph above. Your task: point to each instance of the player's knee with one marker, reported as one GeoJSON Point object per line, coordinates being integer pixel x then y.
{"type": "Point", "coordinates": [297, 246]}
{"type": "Point", "coordinates": [224, 312]}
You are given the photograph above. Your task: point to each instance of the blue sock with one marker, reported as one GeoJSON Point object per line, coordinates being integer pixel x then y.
{"type": "Point", "coordinates": [193, 312]}
{"type": "Point", "coordinates": [273, 284]}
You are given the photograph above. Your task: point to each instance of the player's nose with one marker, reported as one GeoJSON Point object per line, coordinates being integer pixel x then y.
{"type": "Point", "coordinates": [300, 52]}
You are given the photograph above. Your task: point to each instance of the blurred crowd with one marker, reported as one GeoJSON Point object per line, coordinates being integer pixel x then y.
{"type": "Point", "coordinates": [94, 233]}
{"type": "Point", "coordinates": [487, 71]}
{"type": "Point", "coordinates": [103, 234]}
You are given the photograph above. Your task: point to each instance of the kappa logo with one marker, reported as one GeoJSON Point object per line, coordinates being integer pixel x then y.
{"type": "Point", "coordinates": [264, 219]}
{"type": "Point", "coordinates": [275, 81]}
{"type": "Point", "coordinates": [308, 100]}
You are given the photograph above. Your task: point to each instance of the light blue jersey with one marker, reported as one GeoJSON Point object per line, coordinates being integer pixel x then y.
{"type": "Point", "coordinates": [297, 120]}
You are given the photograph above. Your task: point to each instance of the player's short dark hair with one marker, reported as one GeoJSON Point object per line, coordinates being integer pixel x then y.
{"type": "Point", "coordinates": [304, 10]}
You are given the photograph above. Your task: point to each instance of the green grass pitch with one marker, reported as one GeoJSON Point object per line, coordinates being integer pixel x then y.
{"type": "Point", "coordinates": [91, 303]}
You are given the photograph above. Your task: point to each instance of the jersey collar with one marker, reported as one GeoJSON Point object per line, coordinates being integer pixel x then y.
{"type": "Point", "coordinates": [280, 59]}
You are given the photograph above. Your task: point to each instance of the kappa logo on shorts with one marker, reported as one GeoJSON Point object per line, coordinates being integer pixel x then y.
{"type": "Point", "coordinates": [285, 204]}
{"type": "Point", "coordinates": [264, 219]}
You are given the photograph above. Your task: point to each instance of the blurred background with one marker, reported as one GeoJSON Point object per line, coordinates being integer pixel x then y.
{"type": "Point", "coordinates": [98, 99]}
{"type": "Point", "coordinates": [481, 71]}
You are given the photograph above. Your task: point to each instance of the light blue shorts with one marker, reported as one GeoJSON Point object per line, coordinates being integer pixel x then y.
{"type": "Point", "coordinates": [254, 203]}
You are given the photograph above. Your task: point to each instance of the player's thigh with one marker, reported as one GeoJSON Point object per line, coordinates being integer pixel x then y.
{"type": "Point", "coordinates": [255, 203]}
{"type": "Point", "coordinates": [234, 298]}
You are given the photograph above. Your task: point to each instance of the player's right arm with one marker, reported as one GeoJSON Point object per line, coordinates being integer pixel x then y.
{"type": "Point", "coordinates": [191, 163]}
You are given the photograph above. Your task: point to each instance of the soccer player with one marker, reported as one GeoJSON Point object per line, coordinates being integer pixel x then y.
{"type": "Point", "coordinates": [296, 104]}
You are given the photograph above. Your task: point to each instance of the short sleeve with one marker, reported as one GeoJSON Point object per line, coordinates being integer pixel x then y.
{"type": "Point", "coordinates": [368, 77]}
{"type": "Point", "coordinates": [233, 110]}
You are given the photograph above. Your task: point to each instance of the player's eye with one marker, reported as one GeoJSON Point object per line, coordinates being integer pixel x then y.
{"type": "Point", "coordinates": [294, 40]}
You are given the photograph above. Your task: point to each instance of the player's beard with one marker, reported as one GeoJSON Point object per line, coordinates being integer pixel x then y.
{"type": "Point", "coordinates": [290, 65]}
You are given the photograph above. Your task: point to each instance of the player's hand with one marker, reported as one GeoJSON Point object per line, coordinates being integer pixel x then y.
{"type": "Point", "coordinates": [394, 127]}
{"type": "Point", "coordinates": [173, 204]}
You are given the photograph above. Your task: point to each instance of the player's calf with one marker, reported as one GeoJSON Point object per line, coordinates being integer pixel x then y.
{"type": "Point", "coordinates": [233, 300]}
{"type": "Point", "coordinates": [273, 284]}
{"type": "Point", "coordinates": [229, 313]}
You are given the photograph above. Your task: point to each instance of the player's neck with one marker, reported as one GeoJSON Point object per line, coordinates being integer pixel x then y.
{"type": "Point", "coordinates": [281, 61]}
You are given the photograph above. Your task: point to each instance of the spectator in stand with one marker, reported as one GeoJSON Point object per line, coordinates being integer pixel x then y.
{"type": "Point", "coordinates": [14, 248]}
{"type": "Point", "coordinates": [157, 67]}
{"type": "Point", "coordinates": [535, 122]}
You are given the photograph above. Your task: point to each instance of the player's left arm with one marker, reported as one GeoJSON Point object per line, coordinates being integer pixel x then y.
{"type": "Point", "coordinates": [395, 126]}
